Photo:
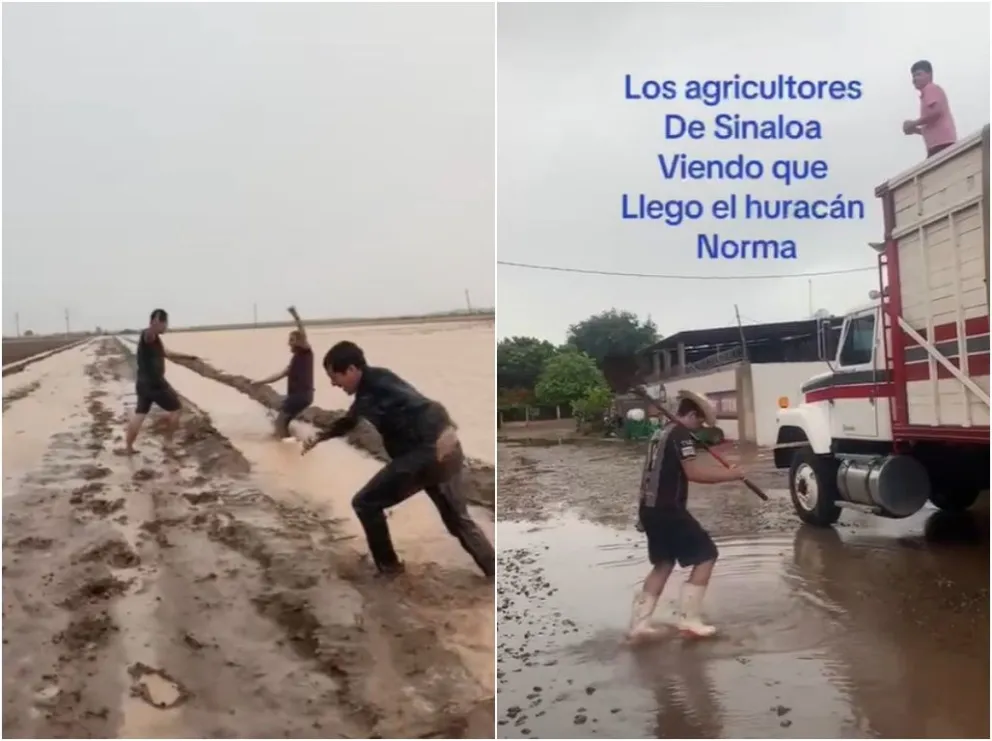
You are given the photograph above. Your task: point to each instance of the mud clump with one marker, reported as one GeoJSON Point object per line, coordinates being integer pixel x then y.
{"type": "Point", "coordinates": [81, 492]}
{"type": "Point", "coordinates": [202, 497]}
{"type": "Point", "coordinates": [103, 419]}
{"type": "Point", "coordinates": [96, 590]}
{"type": "Point", "coordinates": [145, 474]}
{"type": "Point", "coordinates": [93, 472]}
{"type": "Point", "coordinates": [104, 507]}
{"type": "Point", "coordinates": [116, 553]}
{"type": "Point", "coordinates": [89, 631]}
{"type": "Point", "coordinates": [293, 614]}
{"type": "Point", "coordinates": [34, 543]}
{"type": "Point", "coordinates": [19, 393]}
{"type": "Point", "coordinates": [213, 451]}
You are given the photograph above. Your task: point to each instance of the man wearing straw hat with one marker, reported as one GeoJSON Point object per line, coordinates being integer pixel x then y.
{"type": "Point", "coordinates": [673, 534]}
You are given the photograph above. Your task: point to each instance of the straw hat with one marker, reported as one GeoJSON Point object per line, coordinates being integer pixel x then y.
{"type": "Point", "coordinates": [709, 411]}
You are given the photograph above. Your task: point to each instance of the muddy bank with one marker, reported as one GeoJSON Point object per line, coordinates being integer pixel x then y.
{"type": "Point", "coordinates": [168, 596]}
{"type": "Point", "coordinates": [480, 478]}
{"type": "Point", "coordinates": [872, 629]}
{"type": "Point", "coordinates": [15, 351]}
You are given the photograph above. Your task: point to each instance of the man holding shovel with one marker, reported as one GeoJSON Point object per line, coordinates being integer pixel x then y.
{"type": "Point", "coordinates": [299, 378]}
{"type": "Point", "coordinates": [673, 534]}
{"type": "Point", "coordinates": [425, 453]}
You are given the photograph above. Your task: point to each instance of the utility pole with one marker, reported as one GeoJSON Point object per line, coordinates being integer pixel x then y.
{"type": "Point", "coordinates": [740, 329]}
{"type": "Point", "coordinates": [254, 311]}
{"type": "Point", "coordinates": [811, 298]}
{"type": "Point", "coordinates": [66, 322]}
{"type": "Point", "coordinates": [468, 301]}
{"type": "Point", "coordinates": [17, 324]}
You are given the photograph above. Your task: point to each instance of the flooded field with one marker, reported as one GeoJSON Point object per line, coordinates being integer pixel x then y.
{"type": "Point", "coordinates": [222, 590]}
{"type": "Point", "coordinates": [449, 361]}
{"type": "Point", "coordinates": [873, 629]}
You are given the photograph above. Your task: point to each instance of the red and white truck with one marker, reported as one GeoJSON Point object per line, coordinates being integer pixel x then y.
{"type": "Point", "coordinates": [903, 415]}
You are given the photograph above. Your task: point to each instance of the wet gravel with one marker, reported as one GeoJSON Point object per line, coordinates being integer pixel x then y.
{"type": "Point", "coordinates": [874, 628]}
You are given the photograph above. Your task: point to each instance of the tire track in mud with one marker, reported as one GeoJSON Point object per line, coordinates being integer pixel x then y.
{"type": "Point", "coordinates": [169, 596]}
{"type": "Point", "coordinates": [480, 477]}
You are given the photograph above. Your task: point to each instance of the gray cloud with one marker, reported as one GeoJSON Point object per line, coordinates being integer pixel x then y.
{"type": "Point", "coordinates": [569, 145]}
{"type": "Point", "coordinates": [207, 157]}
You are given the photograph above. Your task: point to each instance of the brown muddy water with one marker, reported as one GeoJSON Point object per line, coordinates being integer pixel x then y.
{"type": "Point", "coordinates": [875, 628]}
{"type": "Point", "coordinates": [218, 589]}
{"type": "Point", "coordinates": [449, 361]}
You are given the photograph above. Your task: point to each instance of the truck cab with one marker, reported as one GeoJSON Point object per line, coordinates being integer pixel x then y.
{"type": "Point", "coordinates": [902, 416]}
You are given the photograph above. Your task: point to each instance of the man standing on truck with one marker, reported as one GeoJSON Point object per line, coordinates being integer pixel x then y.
{"type": "Point", "coordinates": [150, 385]}
{"type": "Point", "coordinates": [673, 534]}
{"type": "Point", "coordinates": [425, 453]}
{"type": "Point", "coordinates": [935, 124]}
{"type": "Point", "coordinates": [299, 378]}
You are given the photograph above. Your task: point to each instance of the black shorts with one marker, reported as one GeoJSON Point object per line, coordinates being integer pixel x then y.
{"type": "Point", "coordinates": [163, 397]}
{"type": "Point", "coordinates": [676, 537]}
{"type": "Point", "coordinates": [294, 404]}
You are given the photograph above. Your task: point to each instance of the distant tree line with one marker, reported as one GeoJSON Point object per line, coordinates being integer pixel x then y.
{"type": "Point", "coordinates": [535, 373]}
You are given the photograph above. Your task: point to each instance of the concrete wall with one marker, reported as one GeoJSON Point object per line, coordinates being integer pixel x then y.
{"type": "Point", "coordinates": [719, 383]}
{"type": "Point", "coordinates": [747, 395]}
{"type": "Point", "coordinates": [771, 381]}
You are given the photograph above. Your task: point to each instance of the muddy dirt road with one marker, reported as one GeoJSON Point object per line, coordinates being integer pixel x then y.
{"type": "Point", "coordinates": [873, 629]}
{"type": "Point", "coordinates": [193, 595]}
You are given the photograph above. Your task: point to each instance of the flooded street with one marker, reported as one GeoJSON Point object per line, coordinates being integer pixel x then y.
{"type": "Point", "coordinates": [873, 629]}
{"type": "Point", "coordinates": [219, 589]}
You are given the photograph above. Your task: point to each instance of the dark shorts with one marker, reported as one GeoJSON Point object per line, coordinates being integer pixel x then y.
{"type": "Point", "coordinates": [163, 397]}
{"type": "Point", "coordinates": [937, 149]}
{"type": "Point", "coordinates": [676, 537]}
{"type": "Point", "coordinates": [294, 404]}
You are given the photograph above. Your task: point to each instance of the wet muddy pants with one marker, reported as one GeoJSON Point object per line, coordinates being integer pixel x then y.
{"type": "Point", "coordinates": [399, 480]}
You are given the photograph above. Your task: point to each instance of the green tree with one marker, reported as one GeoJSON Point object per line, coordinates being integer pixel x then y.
{"type": "Point", "coordinates": [592, 406]}
{"type": "Point", "coordinates": [568, 377]}
{"type": "Point", "coordinates": [612, 334]}
{"type": "Point", "coordinates": [519, 361]}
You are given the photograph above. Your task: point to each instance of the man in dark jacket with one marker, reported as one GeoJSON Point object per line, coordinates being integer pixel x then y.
{"type": "Point", "coordinates": [420, 439]}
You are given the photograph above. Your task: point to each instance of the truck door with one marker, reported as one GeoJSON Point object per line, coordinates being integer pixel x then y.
{"type": "Point", "coordinates": [859, 382]}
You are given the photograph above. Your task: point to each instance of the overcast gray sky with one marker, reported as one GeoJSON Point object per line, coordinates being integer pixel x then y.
{"type": "Point", "coordinates": [205, 157]}
{"type": "Point", "coordinates": [570, 145]}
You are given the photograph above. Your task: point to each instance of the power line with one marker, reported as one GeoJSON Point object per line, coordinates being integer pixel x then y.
{"type": "Point", "coordinates": [622, 274]}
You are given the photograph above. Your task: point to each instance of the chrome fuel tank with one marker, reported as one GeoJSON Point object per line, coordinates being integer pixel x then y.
{"type": "Point", "coordinates": [896, 485]}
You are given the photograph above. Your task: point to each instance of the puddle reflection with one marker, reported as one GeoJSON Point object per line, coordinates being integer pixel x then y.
{"type": "Point", "coordinates": [875, 630]}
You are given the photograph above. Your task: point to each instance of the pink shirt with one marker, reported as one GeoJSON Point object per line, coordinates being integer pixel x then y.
{"type": "Point", "coordinates": [933, 99]}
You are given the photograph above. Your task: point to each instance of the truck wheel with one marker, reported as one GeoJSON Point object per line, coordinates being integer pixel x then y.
{"type": "Point", "coordinates": [955, 500]}
{"type": "Point", "coordinates": [813, 486]}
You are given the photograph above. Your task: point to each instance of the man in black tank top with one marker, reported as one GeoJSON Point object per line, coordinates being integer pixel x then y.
{"type": "Point", "coordinates": [673, 534]}
{"type": "Point", "coordinates": [299, 378]}
{"type": "Point", "coordinates": [150, 384]}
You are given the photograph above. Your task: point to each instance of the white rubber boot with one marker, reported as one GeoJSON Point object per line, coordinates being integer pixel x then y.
{"type": "Point", "coordinates": [640, 615]}
{"type": "Point", "coordinates": [690, 621]}
{"type": "Point", "coordinates": [668, 614]}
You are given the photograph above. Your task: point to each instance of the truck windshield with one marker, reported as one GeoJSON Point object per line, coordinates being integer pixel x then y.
{"type": "Point", "coordinates": [859, 341]}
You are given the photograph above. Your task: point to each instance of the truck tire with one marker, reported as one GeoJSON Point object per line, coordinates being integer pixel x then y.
{"type": "Point", "coordinates": [813, 487]}
{"type": "Point", "coordinates": [954, 500]}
